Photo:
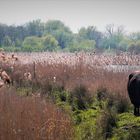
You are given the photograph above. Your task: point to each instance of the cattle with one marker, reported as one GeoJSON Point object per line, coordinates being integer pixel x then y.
{"type": "Point", "coordinates": [133, 88]}
{"type": "Point", "coordinates": [1, 83]}
{"type": "Point", "coordinates": [28, 76]}
{"type": "Point", "coordinates": [14, 57]}
{"type": "Point", "coordinates": [5, 77]}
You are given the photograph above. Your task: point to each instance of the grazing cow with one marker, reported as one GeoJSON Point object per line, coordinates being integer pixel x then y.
{"type": "Point", "coordinates": [133, 88]}
{"type": "Point", "coordinates": [5, 77]}
{"type": "Point", "coordinates": [28, 76]}
{"type": "Point", "coordinates": [14, 57]}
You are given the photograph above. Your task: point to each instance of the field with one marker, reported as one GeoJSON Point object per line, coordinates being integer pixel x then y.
{"type": "Point", "coordinates": [76, 96]}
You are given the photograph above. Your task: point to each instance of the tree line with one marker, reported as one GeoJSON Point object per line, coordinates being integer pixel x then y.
{"type": "Point", "coordinates": [54, 35]}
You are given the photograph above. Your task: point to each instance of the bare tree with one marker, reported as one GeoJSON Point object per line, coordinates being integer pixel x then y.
{"type": "Point", "coordinates": [110, 29]}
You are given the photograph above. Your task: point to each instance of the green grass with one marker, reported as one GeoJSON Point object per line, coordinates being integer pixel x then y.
{"type": "Point", "coordinates": [128, 127]}
{"type": "Point", "coordinates": [24, 91]}
{"type": "Point", "coordinates": [85, 124]}
{"type": "Point", "coordinates": [100, 120]}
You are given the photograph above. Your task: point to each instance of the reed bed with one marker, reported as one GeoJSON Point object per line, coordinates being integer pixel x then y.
{"type": "Point", "coordinates": [88, 58]}
{"type": "Point", "coordinates": [31, 118]}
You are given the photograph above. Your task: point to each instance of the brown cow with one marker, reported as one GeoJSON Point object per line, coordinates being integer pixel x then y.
{"type": "Point", "coordinates": [5, 77]}
{"type": "Point", "coordinates": [28, 76]}
{"type": "Point", "coordinates": [14, 57]}
{"type": "Point", "coordinates": [1, 83]}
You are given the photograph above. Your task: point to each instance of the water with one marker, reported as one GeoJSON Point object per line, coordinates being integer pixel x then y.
{"type": "Point", "coordinates": [122, 68]}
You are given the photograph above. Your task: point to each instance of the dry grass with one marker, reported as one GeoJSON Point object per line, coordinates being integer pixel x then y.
{"type": "Point", "coordinates": [31, 118]}
{"type": "Point", "coordinates": [74, 58]}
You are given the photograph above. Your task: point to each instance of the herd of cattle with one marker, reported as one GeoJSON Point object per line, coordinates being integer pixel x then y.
{"type": "Point", "coordinates": [11, 59]}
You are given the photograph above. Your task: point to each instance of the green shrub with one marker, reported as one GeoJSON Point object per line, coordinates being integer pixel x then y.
{"type": "Point", "coordinates": [101, 93]}
{"type": "Point", "coordinates": [128, 127]}
{"type": "Point", "coordinates": [24, 91]}
{"type": "Point", "coordinates": [80, 98]}
{"type": "Point", "coordinates": [85, 124]}
{"type": "Point", "coordinates": [105, 124]}
{"type": "Point", "coordinates": [60, 96]}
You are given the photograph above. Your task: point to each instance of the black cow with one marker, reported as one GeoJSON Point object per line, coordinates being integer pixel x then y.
{"type": "Point", "coordinates": [133, 88]}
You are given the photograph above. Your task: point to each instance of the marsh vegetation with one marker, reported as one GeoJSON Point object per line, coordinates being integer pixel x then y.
{"type": "Point", "coordinates": [70, 96]}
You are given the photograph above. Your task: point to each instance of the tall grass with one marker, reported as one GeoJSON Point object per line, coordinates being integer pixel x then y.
{"type": "Point", "coordinates": [69, 77]}
{"type": "Point", "coordinates": [31, 118]}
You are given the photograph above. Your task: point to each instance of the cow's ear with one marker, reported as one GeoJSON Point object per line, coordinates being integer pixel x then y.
{"type": "Point", "coordinates": [131, 75]}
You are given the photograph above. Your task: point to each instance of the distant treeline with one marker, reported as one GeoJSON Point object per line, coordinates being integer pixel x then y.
{"type": "Point", "coordinates": [55, 35]}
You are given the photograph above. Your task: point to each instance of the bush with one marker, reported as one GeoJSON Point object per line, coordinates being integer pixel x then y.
{"type": "Point", "coordinates": [128, 127]}
{"type": "Point", "coordinates": [80, 98]}
{"type": "Point", "coordinates": [105, 124]}
{"type": "Point", "coordinates": [85, 124]}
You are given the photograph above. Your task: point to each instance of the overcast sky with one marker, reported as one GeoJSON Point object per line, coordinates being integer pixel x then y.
{"type": "Point", "coordinates": [74, 13]}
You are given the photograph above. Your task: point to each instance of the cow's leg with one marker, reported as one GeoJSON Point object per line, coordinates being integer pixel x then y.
{"type": "Point", "coordinates": [138, 111]}
{"type": "Point", "coordinates": [135, 111]}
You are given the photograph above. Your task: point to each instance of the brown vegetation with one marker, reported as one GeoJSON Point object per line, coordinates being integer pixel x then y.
{"type": "Point", "coordinates": [94, 59]}
{"type": "Point", "coordinates": [69, 75]}
{"type": "Point", "coordinates": [31, 118]}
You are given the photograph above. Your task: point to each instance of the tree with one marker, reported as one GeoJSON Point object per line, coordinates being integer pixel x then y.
{"type": "Point", "coordinates": [21, 32]}
{"type": "Point", "coordinates": [134, 36]}
{"type": "Point", "coordinates": [35, 28]}
{"type": "Point", "coordinates": [61, 32]}
{"type": "Point", "coordinates": [2, 33]}
{"type": "Point", "coordinates": [32, 43]}
{"type": "Point", "coordinates": [49, 43]}
{"type": "Point", "coordinates": [91, 33]}
{"type": "Point", "coordinates": [18, 43]}
{"type": "Point", "coordinates": [109, 30]}
{"type": "Point", "coordinates": [53, 25]}
{"type": "Point", "coordinates": [124, 44]}
{"type": "Point", "coordinates": [7, 41]}
{"type": "Point", "coordinates": [134, 47]}
{"type": "Point", "coordinates": [85, 45]}
{"type": "Point", "coordinates": [113, 36]}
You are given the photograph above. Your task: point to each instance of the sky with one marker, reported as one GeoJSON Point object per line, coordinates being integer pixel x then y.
{"type": "Point", "coordinates": [74, 13]}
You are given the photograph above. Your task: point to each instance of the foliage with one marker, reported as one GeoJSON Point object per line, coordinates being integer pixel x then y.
{"type": "Point", "coordinates": [32, 43]}
{"type": "Point", "coordinates": [85, 124]}
{"type": "Point", "coordinates": [134, 47]}
{"type": "Point", "coordinates": [62, 33]}
{"type": "Point", "coordinates": [85, 45]}
{"type": "Point", "coordinates": [34, 28]}
{"type": "Point", "coordinates": [7, 41]}
{"type": "Point", "coordinates": [80, 98]}
{"type": "Point", "coordinates": [49, 43]}
{"type": "Point", "coordinates": [91, 33]}
{"type": "Point", "coordinates": [87, 39]}
{"type": "Point", "coordinates": [128, 127]}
